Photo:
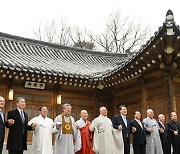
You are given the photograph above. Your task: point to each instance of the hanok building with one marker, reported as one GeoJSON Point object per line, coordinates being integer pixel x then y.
{"type": "Point", "coordinates": [48, 74]}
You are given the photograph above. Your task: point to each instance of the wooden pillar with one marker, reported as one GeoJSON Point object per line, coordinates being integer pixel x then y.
{"type": "Point", "coordinates": [171, 104]}
{"type": "Point", "coordinates": [57, 91]}
{"type": "Point", "coordinates": [54, 112]}
{"type": "Point", "coordinates": [143, 98]}
{"type": "Point", "coordinates": [96, 105]}
{"type": "Point", "coordinates": [115, 106]}
{"type": "Point", "coordinates": [111, 102]}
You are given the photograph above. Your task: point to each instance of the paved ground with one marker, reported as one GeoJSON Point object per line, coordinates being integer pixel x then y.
{"type": "Point", "coordinates": [29, 150]}
{"type": "Point", "coordinates": [25, 152]}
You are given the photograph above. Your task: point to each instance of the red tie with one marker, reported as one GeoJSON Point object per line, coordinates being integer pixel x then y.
{"type": "Point", "coordinates": [163, 126]}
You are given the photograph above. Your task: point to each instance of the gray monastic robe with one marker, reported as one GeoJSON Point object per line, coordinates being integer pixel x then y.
{"type": "Point", "coordinates": [106, 139]}
{"type": "Point", "coordinates": [153, 142]}
{"type": "Point", "coordinates": [64, 142]}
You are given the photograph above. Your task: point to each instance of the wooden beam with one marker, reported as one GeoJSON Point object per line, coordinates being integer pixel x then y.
{"type": "Point", "coordinates": [131, 88]}
{"type": "Point", "coordinates": [161, 42]}
{"type": "Point", "coordinates": [176, 44]}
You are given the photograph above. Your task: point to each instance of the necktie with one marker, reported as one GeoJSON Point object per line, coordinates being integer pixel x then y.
{"type": "Point", "coordinates": [22, 116]}
{"type": "Point", "coordinates": [140, 124]}
{"type": "Point", "coordinates": [125, 121]}
{"type": "Point", "coordinates": [163, 126]}
{"type": "Point", "coordinates": [2, 116]}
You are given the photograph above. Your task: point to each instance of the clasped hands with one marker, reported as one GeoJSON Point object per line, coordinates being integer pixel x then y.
{"type": "Point", "coordinates": [121, 128]}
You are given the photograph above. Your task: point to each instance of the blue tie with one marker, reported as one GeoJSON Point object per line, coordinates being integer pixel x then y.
{"type": "Point", "coordinates": [22, 116]}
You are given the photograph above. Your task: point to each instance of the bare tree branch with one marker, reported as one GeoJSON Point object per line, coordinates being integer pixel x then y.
{"type": "Point", "coordinates": [121, 35]}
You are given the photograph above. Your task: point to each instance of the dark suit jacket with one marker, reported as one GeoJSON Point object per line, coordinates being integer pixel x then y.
{"type": "Point", "coordinates": [139, 136]}
{"type": "Point", "coordinates": [17, 137]}
{"type": "Point", "coordinates": [173, 126]}
{"type": "Point", "coordinates": [165, 137]}
{"type": "Point", "coordinates": [2, 129]}
{"type": "Point", "coordinates": [117, 120]}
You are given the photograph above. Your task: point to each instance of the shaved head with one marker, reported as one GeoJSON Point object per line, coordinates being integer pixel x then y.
{"type": "Point", "coordinates": [83, 111]}
{"type": "Point", "coordinates": [103, 111]}
{"type": "Point", "coordinates": [84, 115]}
{"type": "Point", "coordinates": [102, 108]}
{"type": "Point", "coordinates": [1, 97]}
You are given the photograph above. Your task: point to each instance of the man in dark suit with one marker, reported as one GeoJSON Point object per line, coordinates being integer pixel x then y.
{"type": "Point", "coordinates": [18, 125]}
{"type": "Point", "coordinates": [121, 122]}
{"type": "Point", "coordinates": [164, 135]}
{"type": "Point", "coordinates": [139, 137]}
{"type": "Point", "coordinates": [2, 123]}
{"type": "Point", "coordinates": [174, 130]}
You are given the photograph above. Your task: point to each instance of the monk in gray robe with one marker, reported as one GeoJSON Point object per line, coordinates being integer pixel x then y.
{"type": "Point", "coordinates": [153, 142]}
{"type": "Point", "coordinates": [107, 140]}
{"type": "Point", "coordinates": [65, 131]}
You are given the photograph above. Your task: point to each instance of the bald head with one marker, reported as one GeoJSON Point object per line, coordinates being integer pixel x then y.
{"type": "Point", "coordinates": [83, 111]}
{"type": "Point", "coordinates": [1, 97]}
{"type": "Point", "coordinates": [103, 111]}
{"type": "Point", "coordinates": [84, 115]}
{"type": "Point", "coordinates": [150, 113]}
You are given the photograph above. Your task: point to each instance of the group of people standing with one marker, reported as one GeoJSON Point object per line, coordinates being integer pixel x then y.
{"type": "Point", "coordinates": [102, 136]}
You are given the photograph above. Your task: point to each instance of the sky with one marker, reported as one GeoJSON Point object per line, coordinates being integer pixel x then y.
{"type": "Point", "coordinates": [21, 17]}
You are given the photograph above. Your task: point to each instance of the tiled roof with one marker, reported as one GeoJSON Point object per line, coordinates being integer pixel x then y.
{"type": "Point", "coordinates": [108, 69]}
{"type": "Point", "coordinates": [136, 54]}
{"type": "Point", "coordinates": [29, 55]}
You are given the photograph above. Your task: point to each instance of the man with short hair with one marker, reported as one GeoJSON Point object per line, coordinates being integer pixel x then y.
{"type": "Point", "coordinates": [174, 130]}
{"type": "Point", "coordinates": [42, 133]}
{"type": "Point", "coordinates": [121, 122]}
{"type": "Point", "coordinates": [164, 135]}
{"type": "Point", "coordinates": [2, 123]}
{"type": "Point", "coordinates": [139, 137]}
{"type": "Point", "coordinates": [106, 139]}
{"type": "Point", "coordinates": [18, 126]}
{"type": "Point", "coordinates": [153, 142]}
{"type": "Point", "coordinates": [84, 136]}
{"type": "Point", "coordinates": [65, 131]}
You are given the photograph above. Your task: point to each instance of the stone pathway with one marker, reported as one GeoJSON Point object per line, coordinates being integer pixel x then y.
{"type": "Point", "coordinates": [29, 150]}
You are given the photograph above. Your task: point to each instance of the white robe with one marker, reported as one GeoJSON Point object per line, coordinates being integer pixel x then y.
{"type": "Point", "coordinates": [42, 135]}
{"type": "Point", "coordinates": [106, 139]}
{"type": "Point", "coordinates": [153, 142]}
{"type": "Point", "coordinates": [64, 142]}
